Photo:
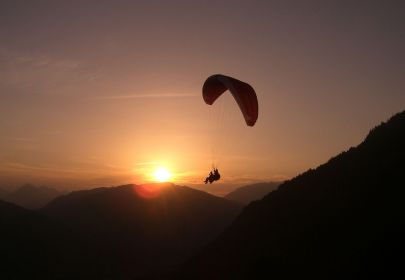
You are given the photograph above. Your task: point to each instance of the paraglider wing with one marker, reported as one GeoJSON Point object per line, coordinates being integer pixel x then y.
{"type": "Point", "coordinates": [243, 93]}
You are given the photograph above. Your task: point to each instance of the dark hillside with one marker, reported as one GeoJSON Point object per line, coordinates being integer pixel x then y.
{"type": "Point", "coordinates": [135, 230]}
{"type": "Point", "coordinates": [33, 247]}
{"type": "Point", "coordinates": [345, 218]}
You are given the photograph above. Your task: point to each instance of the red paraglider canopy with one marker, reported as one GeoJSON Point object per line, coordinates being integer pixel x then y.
{"type": "Point", "coordinates": [243, 93]}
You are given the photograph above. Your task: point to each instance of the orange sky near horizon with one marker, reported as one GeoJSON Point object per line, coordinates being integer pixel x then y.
{"type": "Point", "coordinates": [109, 97]}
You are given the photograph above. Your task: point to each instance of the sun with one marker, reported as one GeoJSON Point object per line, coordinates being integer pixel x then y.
{"type": "Point", "coordinates": [162, 174]}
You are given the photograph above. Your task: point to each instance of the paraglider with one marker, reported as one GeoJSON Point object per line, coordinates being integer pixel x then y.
{"type": "Point", "coordinates": [243, 93]}
{"type": "Point", "coordinates": [245, 97]}
{"type": "Point", "coordinates": [213, 176]}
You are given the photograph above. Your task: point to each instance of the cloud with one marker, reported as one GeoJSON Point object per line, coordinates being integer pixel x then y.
{"type": "Point", "coordinates": [54, 171]}
{"type": "Point", "coordinates": [146, 163]}
{"type": "Point", "coordinates": [24, 139]}
{"type": "Point", "coordinates": [20, 167]}
{"type": "Point", "coordinates": [40, 73]}
{"type": "Point", "coordinates": [152, 95]}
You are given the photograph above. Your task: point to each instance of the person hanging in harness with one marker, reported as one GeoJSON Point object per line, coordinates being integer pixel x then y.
{"type": "Point", "coordinates": [213, 176]}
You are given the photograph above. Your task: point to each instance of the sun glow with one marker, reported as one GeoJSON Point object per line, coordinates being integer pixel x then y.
{"type": "Point", "coordinates": [162, 174]}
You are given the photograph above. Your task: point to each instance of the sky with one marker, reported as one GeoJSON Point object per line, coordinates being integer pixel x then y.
{"type": "Point", "coordinates": [96, 93]}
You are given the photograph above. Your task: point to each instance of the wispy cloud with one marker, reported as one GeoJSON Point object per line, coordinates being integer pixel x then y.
{"type": "Point", "coordinates": [146, 163]}
{"type": "Point", "coordinates": [152, 95]}
{"type": "Point", "coordinates": [40, 73]}
{"type": "Point", "coordinates": [49, 171]}
{"type": "Point", "coordinates": [24, 139]}
{"type": "Point", "coordinates": [17, 166]}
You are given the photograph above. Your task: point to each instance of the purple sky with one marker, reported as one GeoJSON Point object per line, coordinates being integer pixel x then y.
{"type": "Point", "coordinates": [103, 92]}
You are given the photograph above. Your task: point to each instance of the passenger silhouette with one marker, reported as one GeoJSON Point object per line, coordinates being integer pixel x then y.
{"type": "Point", "coordinates": [213, 176]}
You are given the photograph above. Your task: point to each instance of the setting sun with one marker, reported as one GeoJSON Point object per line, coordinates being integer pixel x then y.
{"type": "Point", "coordinates": [162, 174]}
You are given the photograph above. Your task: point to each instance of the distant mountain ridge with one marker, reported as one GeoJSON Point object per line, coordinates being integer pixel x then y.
{"type": "Point", "coordinates": [124, 232]}
{"type": "Point", "coordinates": [249, 193]}
{"type": "Point", "coordinates": [150, 227]}
{"type": "Point", "coordinates": [30, 196]}
{"type": "Point", "coordinates": [3, 194]}
{"type": "Point", "coordinates": [345, 218]}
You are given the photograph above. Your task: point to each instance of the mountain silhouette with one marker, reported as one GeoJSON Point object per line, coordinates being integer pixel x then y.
{"type": "Point", "coordinates": [249, 193]}
{"type": "Point", "coordinates": [30, 196]}
{"type": "Point", "coordinates": [344, 219]}
{"type": "Point", "coordinates": [32, 247]}
{"type": "Point", "coordinates": [3, 194]}
{"type": "Point", "coordinates": [135, 230]}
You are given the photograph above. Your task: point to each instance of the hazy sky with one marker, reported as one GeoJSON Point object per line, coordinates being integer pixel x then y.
{"type": "Point", "coordinates": [95, 93]}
